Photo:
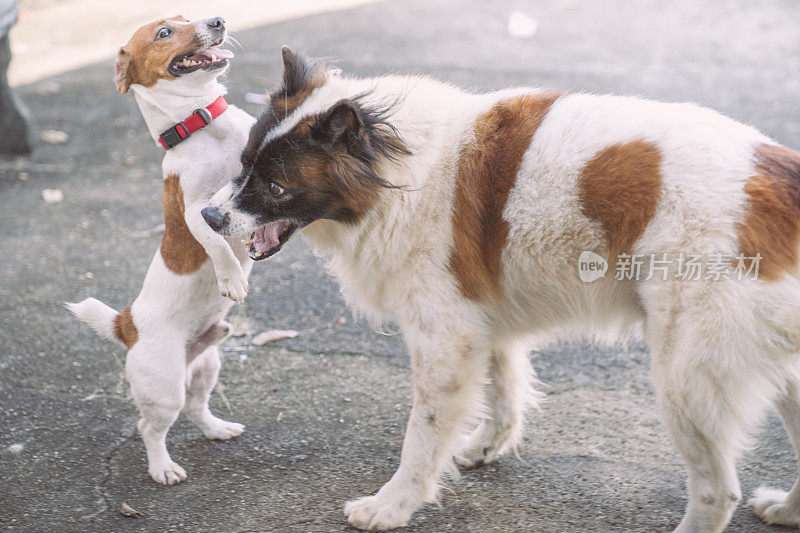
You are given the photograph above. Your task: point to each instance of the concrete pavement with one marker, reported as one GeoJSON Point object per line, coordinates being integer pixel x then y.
{"type": "Point", "coordinates": [325, 411]}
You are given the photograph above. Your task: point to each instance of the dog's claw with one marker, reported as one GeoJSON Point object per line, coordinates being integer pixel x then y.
{"type": "Point", "coordinates": [168, 474]}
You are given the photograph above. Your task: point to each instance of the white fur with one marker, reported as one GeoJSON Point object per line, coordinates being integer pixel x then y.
{"type": "Point", "coordinates": [722, 350]}
{"type": "Point", "coordinates": [172, 311]}
{"type": "Point", "coordinates": [97, 314]}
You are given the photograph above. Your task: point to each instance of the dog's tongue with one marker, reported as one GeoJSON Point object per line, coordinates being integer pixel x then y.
{"type": "Point", "coordinates": [221, 53]}
{"type": "Point", "coordinates": [207, 53]}
{"type": "Point", "coordinates": [267, 237]}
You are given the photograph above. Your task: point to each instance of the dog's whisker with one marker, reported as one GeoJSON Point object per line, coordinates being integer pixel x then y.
{"type": "Point", "coordinates": [234, 41]}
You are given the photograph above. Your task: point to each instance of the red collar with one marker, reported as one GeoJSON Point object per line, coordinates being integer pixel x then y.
{"type": "Point", "coordinates": [199, 119]}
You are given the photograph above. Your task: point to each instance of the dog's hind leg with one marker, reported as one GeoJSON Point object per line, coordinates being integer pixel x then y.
{"type": "Point", "coordinates": [772, 505]}
{"type": "Point", "coordinates": [711, 385]}
{"type": "Point", "coordinates": [509, 393]}
{"type": "Point", "coordinates": [203, 373]}
{"type": "Point", "coordinates": [704, 441]}
{"type": "Point", "coordinates": [448, 383]}
{"type": "Point", "coordinates": [783, 318]}
{"type": "Point", "coordinates": [156, 371]}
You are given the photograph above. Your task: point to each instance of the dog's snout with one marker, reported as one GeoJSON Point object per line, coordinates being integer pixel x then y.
{"type": "Point", "coordinates": [217, 23]}
{"type": "Point", "coordinates": [214, 218]}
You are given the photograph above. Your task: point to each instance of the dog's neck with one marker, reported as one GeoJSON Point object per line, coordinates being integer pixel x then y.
{"type": "Point", "coordinates": [167, 103]}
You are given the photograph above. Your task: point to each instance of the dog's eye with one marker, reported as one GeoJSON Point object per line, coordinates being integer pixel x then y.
{"type": "Point", "coordinates": [163, 32]}
{"type": "Point", "coordinates": [275, 190]}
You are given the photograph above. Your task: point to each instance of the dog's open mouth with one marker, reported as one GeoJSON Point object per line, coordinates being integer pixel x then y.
{"type": "Point", "coordinates": [209, 59]}
{"type": "Point", "coordinates": [268, 239]}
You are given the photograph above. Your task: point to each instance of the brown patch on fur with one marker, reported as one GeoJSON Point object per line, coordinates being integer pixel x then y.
{"type": "Point", "coordinates": [213, 335]}
{"type": "Point", "coordinates": [144, 60]}
{"type": "Point", "coordinates": [284, 104]}
{"type": "Point", "coordinates": [181, 252]}
{"type": "Point", "coordinates": [487, 170]}
{"type": "Point", "coordinates": [772, 223]}
{"type": "Point", "coordinates": [350, 198]}
{"type": "Point", "coordinates": [620, 188]}
{"type": "Point", "coordinates": [124, 328]}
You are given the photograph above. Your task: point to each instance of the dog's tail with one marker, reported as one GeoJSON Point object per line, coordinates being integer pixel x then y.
{"type": "Point", "coordinates": [105, 320]}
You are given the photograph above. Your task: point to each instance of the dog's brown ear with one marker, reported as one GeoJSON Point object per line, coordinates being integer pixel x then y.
{"type": "Point", "coordinates": [121, 68]}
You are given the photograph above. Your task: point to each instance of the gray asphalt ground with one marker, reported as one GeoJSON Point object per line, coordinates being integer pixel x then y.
{"type": "Point", "coordinates": [325, 411]}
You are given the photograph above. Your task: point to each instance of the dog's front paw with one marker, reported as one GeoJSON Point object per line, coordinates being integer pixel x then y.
{"type": "Point", "coordinates": [770, 505]}
{"type": "Point", "coordinates": [377, 513]}
{"type": "Point", "coordinates": [220, 429]}
{"type": "Point", "coordinates": [168, 473]}
{"type": "Point", "coordinates": [232, 283]}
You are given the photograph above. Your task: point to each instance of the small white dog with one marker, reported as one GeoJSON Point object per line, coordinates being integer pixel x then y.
{"type": "Point", "coordinates": [173, 327]}
{"type": "Point", "coordinates": [475, 221]}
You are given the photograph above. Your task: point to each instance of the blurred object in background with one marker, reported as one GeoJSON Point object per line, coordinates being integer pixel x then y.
{"type": "Point", "coordinates": [13, 126]}
{"type": "Point", "coordinates": [521, 25]}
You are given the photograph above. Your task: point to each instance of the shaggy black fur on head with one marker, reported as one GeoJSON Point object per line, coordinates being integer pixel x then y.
{"type": "Point", "coordinates": [328, 165]}
{"type": "Point", "coordinates": [368, 136]}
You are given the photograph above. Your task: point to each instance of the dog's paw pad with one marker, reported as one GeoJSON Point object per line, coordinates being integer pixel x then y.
{"type": "Point", "coordinates": [223, 430]}
{"type": "Point", "coordinates": [770, 505]}
{"type": "Point", "coordinates": [168, 474]}
{"type": "Point", "coordinates": [373, 514]}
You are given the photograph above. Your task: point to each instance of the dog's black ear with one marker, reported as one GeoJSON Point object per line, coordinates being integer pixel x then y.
{"type": "Point", "coordinates": [297, 71]}
{"type": "Point", "coordinates": [341, 124]}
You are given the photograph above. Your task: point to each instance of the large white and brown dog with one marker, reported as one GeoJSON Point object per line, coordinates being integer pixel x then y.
{"type": "Point", "coordinates": [463, 217]}
{"type": "Point", "coordinates": [173, 327]}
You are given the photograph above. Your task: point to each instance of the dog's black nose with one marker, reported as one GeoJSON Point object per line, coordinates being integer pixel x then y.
{"type": "Point", "coordinates": [217, 23]}
{"type": "Point", "coordinates": [214, 218]}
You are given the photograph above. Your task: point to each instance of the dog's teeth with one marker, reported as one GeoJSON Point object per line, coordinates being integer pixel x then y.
{"type": "Point", "coordinates": [247, 243]}
{"type": "Point", "coordinates": [213, 58]}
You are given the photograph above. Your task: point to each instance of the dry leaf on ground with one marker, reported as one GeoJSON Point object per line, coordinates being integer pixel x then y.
{"type": "Point", "coordinates": [127, 510]}
{"type": "Point", "coordinates": [273, 335]}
